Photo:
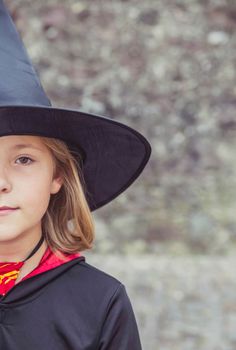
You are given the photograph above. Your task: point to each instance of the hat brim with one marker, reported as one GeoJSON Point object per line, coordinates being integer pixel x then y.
{"type": "Point", "coordinates": [114, 154]}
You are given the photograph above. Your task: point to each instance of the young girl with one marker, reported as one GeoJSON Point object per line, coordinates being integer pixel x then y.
{"type": "Point", "coordinates": [56, 167]}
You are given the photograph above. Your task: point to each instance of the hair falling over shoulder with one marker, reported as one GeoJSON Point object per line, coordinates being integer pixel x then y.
{"type": "Point", "coordinates": [68, 223]}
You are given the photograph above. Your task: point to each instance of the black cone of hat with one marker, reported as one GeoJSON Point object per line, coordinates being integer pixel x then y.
{"type": "Point", "coordinates": [19, 83]}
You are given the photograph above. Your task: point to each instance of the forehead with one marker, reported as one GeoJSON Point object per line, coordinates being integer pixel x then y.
{"type": "Point", "coordinates": [20, 141]}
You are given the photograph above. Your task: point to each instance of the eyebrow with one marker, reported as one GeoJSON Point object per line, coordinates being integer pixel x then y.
{"type": "Point", "coordinates": [25, 145]}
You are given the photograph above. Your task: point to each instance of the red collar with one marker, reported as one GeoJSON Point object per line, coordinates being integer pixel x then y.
{"type": "Point", "coordinates": [48, 261]}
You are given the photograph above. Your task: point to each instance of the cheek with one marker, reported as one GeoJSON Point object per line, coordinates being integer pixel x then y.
{"type": "Point", "coordinates": [36, 195]}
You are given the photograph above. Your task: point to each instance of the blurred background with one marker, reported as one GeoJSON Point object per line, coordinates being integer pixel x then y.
{"type": "Point", "coordinates": [168, 69]}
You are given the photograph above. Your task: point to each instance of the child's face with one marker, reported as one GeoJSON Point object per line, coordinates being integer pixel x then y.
{"type": "Point", "coordinates": [25, 184]}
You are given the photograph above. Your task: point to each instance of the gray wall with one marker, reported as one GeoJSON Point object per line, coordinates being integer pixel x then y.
{"type": "Point", "coordinates": [167, 68]}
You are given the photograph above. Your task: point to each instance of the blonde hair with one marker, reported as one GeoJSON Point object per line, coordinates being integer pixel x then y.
{"type": "Point", "coordinates": [69, 206]}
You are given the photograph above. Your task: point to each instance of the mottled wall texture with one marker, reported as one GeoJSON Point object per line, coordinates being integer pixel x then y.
{"type": "Point", "coordinates": [168, 69]}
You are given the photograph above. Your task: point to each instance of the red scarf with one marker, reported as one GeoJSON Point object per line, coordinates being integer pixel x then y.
{"type": "Point", "coordinates": [9, 272]}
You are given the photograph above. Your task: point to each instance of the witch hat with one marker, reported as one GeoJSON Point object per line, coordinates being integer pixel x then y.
{"type": "Point", "coordinates": [113, 154]}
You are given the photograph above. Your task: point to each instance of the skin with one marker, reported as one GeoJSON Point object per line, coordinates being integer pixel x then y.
{"type": "Point", "coordinates": [26, 182]}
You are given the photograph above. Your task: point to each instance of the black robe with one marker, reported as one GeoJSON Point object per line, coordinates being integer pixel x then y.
{"type": "Point", "coordinates": [74, 306]}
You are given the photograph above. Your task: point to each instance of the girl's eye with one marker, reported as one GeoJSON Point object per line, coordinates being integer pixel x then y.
{"type": "Point", "coordinates": [25, 158]}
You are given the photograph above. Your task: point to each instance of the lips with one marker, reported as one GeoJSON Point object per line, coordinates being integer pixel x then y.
{"type": "Point", "coordinates": [6, 212]}
{"type": "Point", "coordinates": [7, 208]}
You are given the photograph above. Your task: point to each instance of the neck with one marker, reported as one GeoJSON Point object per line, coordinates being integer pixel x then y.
{"type": "Point", "coordinates": [32, 263]}
{"type": "Point", "coordinates": [20, 247]}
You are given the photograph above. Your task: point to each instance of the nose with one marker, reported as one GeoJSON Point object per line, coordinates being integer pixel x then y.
{"type": "Point", "coordinates": [5, 185]}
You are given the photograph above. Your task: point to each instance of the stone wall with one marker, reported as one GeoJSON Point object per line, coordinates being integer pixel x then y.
{"type": "Point", "coordinates": [180, 303]}
{"type": "Point", "coordinates": [167, 68]}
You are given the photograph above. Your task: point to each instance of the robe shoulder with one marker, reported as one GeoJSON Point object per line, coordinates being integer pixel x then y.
{"type": "Point", "coordinates": [109, 298]}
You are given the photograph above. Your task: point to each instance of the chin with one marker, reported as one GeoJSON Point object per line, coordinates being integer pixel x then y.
{"type": "Point", "coordinates": [9, 234]}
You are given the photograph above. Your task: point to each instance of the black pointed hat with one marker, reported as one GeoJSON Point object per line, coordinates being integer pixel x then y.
{"type": "Point", "coordinates": [113, 154]}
